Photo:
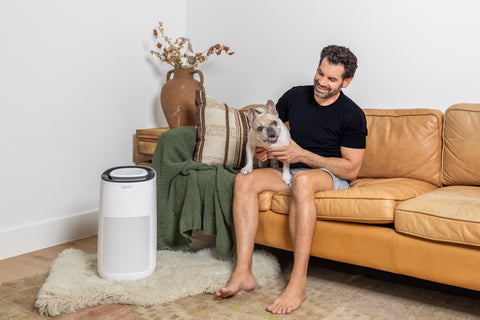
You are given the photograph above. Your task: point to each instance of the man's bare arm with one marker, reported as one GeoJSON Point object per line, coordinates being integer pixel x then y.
{"type": "Point", "coordinates": [347, 167]}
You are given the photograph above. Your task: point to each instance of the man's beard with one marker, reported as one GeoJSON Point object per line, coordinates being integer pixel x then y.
{"type": "Point", "coordinates": [330, 93]}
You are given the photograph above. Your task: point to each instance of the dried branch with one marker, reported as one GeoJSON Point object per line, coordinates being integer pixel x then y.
{"type": "Point", "coordinates": [180, 53]}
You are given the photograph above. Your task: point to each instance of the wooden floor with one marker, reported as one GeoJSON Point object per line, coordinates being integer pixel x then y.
{"type": "Point", "coordinates": [39, 261]}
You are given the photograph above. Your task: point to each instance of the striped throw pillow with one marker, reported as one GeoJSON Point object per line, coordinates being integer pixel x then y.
{"type": "Point", "coordinates": [222, 133]}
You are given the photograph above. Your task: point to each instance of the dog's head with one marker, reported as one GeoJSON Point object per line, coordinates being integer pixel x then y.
{"type": "Point", "coordinates": [266, 126]}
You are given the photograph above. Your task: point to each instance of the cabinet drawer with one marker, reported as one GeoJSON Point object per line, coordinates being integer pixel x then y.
{"type": "Point", "coordinates": [145, 144]}
{"type": "Point", "coordinates": [146, 147]}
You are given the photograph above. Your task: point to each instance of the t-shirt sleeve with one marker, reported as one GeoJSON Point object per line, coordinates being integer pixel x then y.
{"type": "Point", "coordinates": [355, 132]}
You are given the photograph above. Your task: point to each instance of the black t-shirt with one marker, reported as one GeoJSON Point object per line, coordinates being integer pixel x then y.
{"type": "Point", "coordinates": [322, 129]}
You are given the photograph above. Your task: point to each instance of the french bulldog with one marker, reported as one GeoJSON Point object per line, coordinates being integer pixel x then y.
{"type": "Point", "coordinates": [266, 130]}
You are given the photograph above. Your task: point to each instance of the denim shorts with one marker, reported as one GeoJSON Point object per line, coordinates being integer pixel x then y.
{"type": "Point", "coordinates": [337, 182]}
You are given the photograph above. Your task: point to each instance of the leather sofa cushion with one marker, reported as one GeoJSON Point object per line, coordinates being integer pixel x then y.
{"type": "Point", "coordinates": [265, 200]}
{"type": "Point", "coordinates": [461, 150]}
{"type": "Point", "coordinates": [367, 201]}
{"type": "Point", "coordinates": [403, 143]}
{"type": "Point", "coordinates": [449, 214]}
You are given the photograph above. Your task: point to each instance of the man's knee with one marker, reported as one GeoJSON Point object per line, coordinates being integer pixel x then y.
{"type": "Point", "coordinates": [311, 181]}
{"type": "Point", "coordinates": [260, 180]}
{"type": "Point", "coordinates": [243, 182]}
{"type": "Point", "coordinates": [302, 179]}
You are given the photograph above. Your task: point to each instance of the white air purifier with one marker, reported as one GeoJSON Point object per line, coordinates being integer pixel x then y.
{"type": "Point", "coordinates": [127, 226]}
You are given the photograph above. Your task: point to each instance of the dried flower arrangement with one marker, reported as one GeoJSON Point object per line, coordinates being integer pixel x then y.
{"type": "Point", "coordinates": [180, 53]}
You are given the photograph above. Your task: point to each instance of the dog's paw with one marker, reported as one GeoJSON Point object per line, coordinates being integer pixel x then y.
{"type": "Point", "coordinates": [246, 170]}
{"type": "Point", "coordinates": [287, 178]}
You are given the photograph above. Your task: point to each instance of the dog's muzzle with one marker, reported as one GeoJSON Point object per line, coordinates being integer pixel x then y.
{"type": "Point", "coordinates": [272, 137]}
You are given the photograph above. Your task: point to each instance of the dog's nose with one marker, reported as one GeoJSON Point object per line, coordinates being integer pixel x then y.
{"type": "Point", "coordinates": [270, 131]}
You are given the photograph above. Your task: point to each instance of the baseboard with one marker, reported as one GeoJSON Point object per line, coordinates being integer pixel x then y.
{"type": "Point", "coordinates": [46, 234]}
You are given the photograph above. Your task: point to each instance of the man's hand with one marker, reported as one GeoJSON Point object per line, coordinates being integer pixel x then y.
{"type": "Point", "coordinates": [261, 154]}
{"type": "Point", "coordinates": [291, 153]}
{"type": "Point", "coordinates": [347, 167]}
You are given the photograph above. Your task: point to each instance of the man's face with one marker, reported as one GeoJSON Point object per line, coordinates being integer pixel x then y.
{"type": "Point", "coordinates": [328, 81]}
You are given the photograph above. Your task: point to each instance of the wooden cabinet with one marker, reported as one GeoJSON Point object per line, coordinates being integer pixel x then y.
{"type": "Point", "coordinates": [145, 143]}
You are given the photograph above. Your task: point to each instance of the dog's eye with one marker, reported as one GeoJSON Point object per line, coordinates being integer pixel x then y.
{"type": "Point", "coordinates": [274, 123]}
{"type": "Point", "coordinates": [259, 128]}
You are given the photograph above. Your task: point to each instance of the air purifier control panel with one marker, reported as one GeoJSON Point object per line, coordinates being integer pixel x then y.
{"type": "Point", "coordinates": [128, 174]}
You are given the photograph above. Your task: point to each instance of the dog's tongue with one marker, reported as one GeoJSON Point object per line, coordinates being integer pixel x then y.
{"type": "Point", "coordinates": [272, 139]}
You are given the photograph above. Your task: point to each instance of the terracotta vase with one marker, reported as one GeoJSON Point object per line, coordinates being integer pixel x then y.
{"type": "Point", "coordinates": [178, 97]}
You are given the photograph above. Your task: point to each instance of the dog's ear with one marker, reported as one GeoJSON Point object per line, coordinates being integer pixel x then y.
{"type": "Point", "coordinates": [271, 108]}
{"type": "Point", "coordinates": [251, 115]}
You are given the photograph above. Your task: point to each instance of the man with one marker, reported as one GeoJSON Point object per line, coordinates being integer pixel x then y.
{"type": "Point", "coordinates": [328, 133]}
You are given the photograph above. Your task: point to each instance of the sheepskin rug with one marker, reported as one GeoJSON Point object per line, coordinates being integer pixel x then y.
{"type": "Point", "coordinates": [74, 282]}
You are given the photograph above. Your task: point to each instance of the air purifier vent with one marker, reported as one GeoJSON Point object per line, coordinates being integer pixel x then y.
{"type": "Point", "coordinates": [126, 244]}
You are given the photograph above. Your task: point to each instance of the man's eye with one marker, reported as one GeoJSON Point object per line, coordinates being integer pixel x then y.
{"type": "Point", "coordinates": [260, 128]}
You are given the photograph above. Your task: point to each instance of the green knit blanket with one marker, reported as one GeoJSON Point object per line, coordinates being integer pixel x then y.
{"type": "Point", "coordinates": [191, 196]}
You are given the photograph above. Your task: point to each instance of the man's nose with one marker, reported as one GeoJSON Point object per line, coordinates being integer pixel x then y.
{"type": "Point", "coordinates": [322, 81]}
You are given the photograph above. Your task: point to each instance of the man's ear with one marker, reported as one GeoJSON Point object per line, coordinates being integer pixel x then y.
{"type": "Point", "coordinates": [346, 82]}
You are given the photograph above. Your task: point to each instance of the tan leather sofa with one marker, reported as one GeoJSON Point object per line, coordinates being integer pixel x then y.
{"type": "Point", "coordinates": [414, 208]}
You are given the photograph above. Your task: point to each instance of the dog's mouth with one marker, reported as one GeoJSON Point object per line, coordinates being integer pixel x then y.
{"type": "Point", "coordinates": [272, 139]}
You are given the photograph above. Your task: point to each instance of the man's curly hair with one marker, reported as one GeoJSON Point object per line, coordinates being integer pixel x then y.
{"type": "Point", "coordinates": [340, 55]}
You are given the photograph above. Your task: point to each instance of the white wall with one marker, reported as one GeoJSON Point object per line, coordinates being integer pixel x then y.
{"type": "Point", "coordinates": [76, 81]}
{"type": "Point", "coordinates": [411, 53]}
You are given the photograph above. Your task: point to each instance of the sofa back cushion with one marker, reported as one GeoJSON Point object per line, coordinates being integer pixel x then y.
{"type": "Point", "coordinates": [403, 143]}
{"type": "Point", "coordinates": [461, 150]}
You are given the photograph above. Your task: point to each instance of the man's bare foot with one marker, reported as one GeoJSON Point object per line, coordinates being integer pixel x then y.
{"type": "Point", "coordinates": [239, 281]}
{"type": "Point", "coordinates": [289, 300]}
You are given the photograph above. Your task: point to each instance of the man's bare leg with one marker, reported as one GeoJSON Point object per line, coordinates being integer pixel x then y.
{"type": "Point", "coordinates": [245, 217]}
{"type": "Point", "coordinates": [302, 218]}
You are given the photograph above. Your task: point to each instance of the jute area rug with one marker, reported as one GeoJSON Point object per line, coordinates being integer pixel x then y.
{"type": "Point", "coordinates": [333, 293]}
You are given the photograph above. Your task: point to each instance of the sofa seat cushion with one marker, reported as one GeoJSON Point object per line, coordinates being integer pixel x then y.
{"type": "Point", "coordinates": [265, 200]}
{"type": "Point", "coordinates": [450, 214]}
{"type": "Point", "coordinates": [367, 201]}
